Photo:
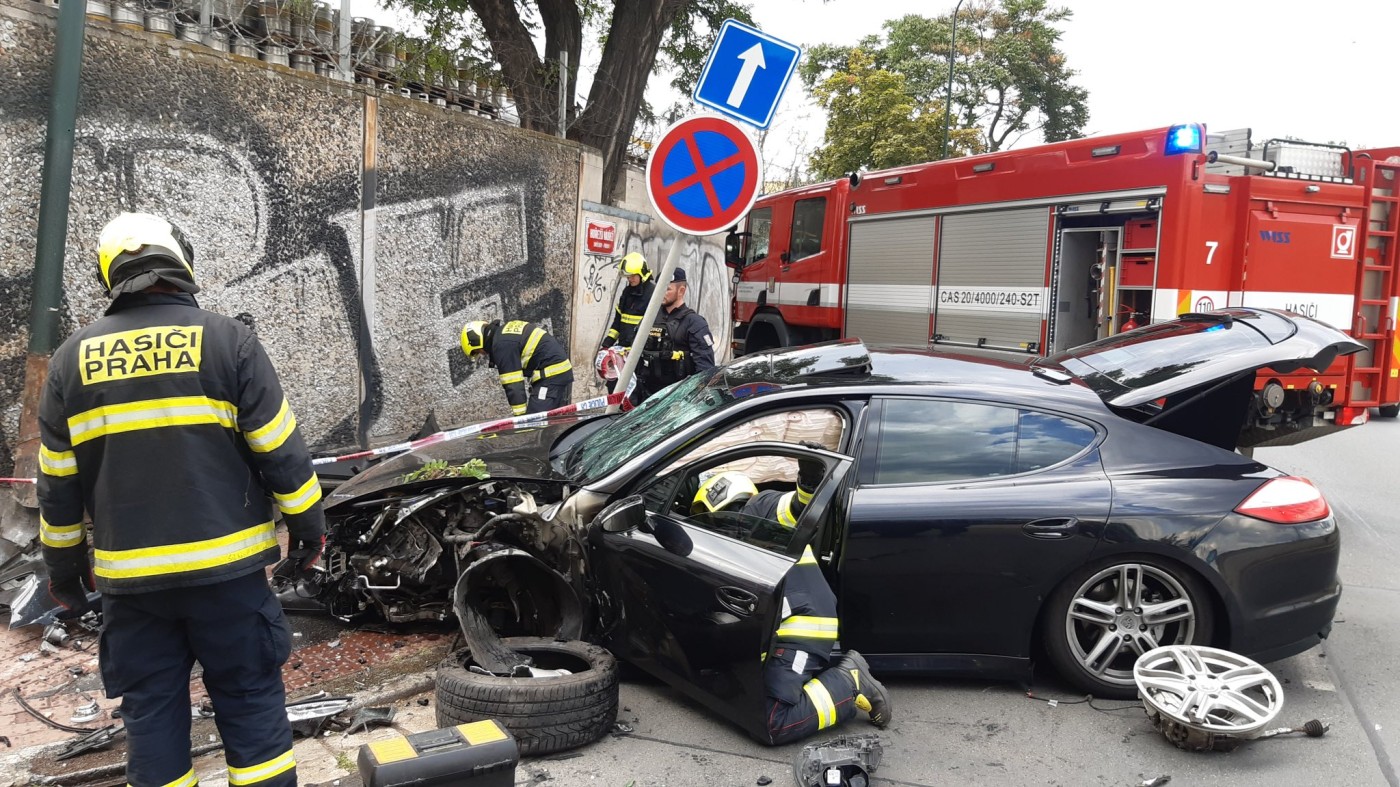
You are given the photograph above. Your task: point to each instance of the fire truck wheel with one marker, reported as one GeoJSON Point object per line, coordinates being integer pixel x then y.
{"type": "Point", "coordinates": [1109, 612]}
{"type": "Point", "coordinates": [546, 714]}
{"type": "Point", "coordinates": [1388, 410]}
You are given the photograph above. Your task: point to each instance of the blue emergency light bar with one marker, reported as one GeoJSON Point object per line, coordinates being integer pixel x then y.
{"type": "Point", "coordinates": [1186, 138]}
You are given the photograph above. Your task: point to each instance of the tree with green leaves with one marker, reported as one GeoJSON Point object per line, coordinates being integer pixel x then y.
{"type": "Point", "coordinates": [636, 37]}
{"type": "Point", "coordinates": [1010, 78]}
{"type": "Point", "coordinates": [874, 123]}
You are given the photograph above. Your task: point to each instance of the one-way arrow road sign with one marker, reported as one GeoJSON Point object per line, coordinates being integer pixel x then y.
{"type": "Point", "coordinates": [746, 74]}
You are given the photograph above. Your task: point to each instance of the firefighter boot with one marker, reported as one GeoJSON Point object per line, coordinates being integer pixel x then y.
{"type": "Point", "coordinates": [871, 696]}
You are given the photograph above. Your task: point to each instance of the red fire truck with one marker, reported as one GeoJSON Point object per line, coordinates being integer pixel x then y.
{"type": "Point", "coordinates": [1029, 252]}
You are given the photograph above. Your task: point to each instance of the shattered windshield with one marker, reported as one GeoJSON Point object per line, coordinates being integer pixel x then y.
{"type": "Point", "coordinates": [640, 429]}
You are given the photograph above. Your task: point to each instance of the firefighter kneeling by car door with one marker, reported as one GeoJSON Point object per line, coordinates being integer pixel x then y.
{"type": "Point", "coordinates": [807, 692]}
{"type": "Point", "coordinates": [680, 345]}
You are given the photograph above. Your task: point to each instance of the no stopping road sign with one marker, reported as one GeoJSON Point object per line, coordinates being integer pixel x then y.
{"type": "Point", "coordinates": [704, 174]}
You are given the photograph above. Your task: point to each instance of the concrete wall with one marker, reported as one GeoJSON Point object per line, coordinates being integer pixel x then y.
{"type": "Point", "coordinates": [640, 229]}
{"type": "Point", "coordinates": [262, 168]}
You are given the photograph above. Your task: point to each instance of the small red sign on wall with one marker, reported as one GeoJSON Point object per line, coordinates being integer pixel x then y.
{"type": "Point", "coordinates": [602, 237]}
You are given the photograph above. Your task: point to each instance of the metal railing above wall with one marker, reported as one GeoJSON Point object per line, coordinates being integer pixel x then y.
{"type": "Point", "coordinates": [306, 36]}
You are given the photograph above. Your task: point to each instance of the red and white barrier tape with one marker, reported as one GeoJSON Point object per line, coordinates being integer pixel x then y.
{"type": "Point", "coordinates": [596, 403]}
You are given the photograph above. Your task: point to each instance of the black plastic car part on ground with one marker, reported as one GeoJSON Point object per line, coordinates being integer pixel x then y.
{"type": "Point", "coordinates": [546, 714]}
{"type": "Point", "coordinates": [972, 513]}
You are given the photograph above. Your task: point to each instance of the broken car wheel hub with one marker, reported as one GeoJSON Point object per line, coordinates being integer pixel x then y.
{"type": "Point", "coordinates": [1205, 698]}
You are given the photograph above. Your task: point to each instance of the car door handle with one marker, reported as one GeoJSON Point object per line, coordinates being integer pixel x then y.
{"type": "Point", "coordinates": [1054, 527]}
{"type": "Point", "coordinates": [737, 600]}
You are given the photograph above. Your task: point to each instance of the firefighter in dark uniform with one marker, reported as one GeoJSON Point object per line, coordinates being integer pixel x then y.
{"type": "Point", "coordinates": [523, 352]}
{"type": "Point", "coordinates": [631, 307]}
{"type": "Point", "coordinates": [807, 693]}
{"type": "Point", "coordinates": [679, 346]}
{"type": "Point", "coordinates": [632, 303]}
{"type": "Point", "coordinates": [167, 425]}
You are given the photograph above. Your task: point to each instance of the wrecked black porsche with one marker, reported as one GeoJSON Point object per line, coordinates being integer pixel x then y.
{"type": "Point", "coordinates": [973, 512]}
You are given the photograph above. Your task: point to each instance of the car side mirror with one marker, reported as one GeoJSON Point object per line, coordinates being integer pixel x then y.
{"type": "Point", "coordinates": [734, 245]}
{"type": "Point", "coordinates": [623, 516]}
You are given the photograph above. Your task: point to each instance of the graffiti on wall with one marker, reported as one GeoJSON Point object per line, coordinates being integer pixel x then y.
{"type": "Point", "coordinates": [599, 276]}
{"type": "Point", "coordinates": [275, 225]}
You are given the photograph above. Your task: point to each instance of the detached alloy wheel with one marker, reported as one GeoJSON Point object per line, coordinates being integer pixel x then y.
{"type": "Point", "coordinates": [1103, 617]}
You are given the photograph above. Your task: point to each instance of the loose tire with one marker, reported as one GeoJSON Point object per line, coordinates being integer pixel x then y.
{"type": "Point", "coordinates": [1093, 635]}
{"type": "Point", "coordinates": [545, 714]}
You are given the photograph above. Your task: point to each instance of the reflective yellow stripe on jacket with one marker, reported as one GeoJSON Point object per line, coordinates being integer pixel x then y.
{"type": "Point", "coordinates": [552, 370]}
{"type": "Point", "coordinates": [57, 463]}
{"type": "Point", "coordinates": [263, 770]}
{"type": "Point", "coordinates": [300, 500]}
{"type": "Point", "coordinates": [270, 436]}
{"type": "Point", "coordinates": [150, 414]}
{"type": "Point", "coordinates": [629, 319]}
{"type": "Point", "coordinates": [60, 536]}
{"type": "Point", "coordinates": [179, 558]}
{"type": "Point", "coordinates": [785, 517]}
{"type": "Point", "coordinates": [510, 378]}
{"type": "Point", "coordinates": [531, 345]}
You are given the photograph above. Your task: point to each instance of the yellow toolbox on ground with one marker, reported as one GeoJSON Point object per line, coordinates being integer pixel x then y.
{"type": "Point", "coordinates": [479, 754]}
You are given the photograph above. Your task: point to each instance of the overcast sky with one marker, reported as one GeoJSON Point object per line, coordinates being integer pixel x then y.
{"type": "Point", "coordinates": [1313, 70]}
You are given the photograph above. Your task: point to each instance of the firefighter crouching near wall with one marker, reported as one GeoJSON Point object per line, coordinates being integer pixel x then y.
{"type": "Point", "coordinates": [523, 352]}
{"type": "Point", "coordinates": [627, 314]}
{"type": "Point", "coordinates": [805, 695]}
{"type": "Point", "coordinates": [167, 424]}
{"type": "Point", "coordinates": [680, 345]}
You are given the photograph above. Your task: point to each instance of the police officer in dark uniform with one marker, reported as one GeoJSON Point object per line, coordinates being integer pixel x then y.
{"type": "Point", "coordinates": [680, 345]}
{"type": "Point", "coordinates": [523, 352]}
{"type": "Point", "coordinates": [167, 425]}
{"type": "Point", "coordinates": [807, 693]}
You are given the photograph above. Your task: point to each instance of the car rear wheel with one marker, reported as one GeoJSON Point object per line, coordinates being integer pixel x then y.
{"type": "Point", "coordinates": [546, 714]}
{"type": "Point", "coordinates": [1106, 615]}
{"type": "Point", "coordinates": [1388, 410]}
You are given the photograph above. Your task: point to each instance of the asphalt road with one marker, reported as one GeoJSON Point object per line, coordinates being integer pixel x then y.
{"type": "Point", "coordinates": [949, 733]}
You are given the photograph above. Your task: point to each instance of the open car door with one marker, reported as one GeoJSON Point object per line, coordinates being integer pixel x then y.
{"type": "Point", "coordinates": [1195, 375]}
{"type": "Point", "coordinates": [694, 599]}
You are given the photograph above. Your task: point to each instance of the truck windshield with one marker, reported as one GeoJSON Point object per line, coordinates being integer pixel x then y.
{"type": "Point", "coordinates": [656, 419]}
{"type": "Point", "coordinates": [761, 229]}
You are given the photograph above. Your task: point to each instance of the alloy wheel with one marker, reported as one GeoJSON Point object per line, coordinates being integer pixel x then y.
{"type": "Point", "coordinates": [1124, 611]}
{"type": "Point", "coordinates": [1211, 690]}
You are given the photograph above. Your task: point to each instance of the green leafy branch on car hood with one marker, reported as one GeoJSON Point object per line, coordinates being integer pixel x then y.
{"type": "Point", "coordinates": [441, 469]}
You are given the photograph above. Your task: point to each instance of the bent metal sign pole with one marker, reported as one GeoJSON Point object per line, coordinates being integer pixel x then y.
{"type": "Point", "coordinates": [702, 177]}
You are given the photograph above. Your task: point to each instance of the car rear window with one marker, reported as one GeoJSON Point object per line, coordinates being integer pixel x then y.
{"type": "Point", "coordinates": [935, 440]}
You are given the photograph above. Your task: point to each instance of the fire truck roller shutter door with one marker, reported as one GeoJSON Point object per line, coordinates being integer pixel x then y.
{"type": "Point", "coordinates": [889, 281]}
{"type": "Point", "coordinates": [991, 279]}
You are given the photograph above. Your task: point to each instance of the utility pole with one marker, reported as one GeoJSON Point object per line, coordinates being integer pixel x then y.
{"type": "Point", "coordinates": [563, 92]}
{"type": "Point", "coordinates": [948, 102]}
{"type": "Point", "coordinates": [52, 239]}
{"type": "Point", "coordinates": [346, 69]}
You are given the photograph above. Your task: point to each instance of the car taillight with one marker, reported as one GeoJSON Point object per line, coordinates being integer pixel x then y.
{"type": "Point", "coordinates": [1287, 501]}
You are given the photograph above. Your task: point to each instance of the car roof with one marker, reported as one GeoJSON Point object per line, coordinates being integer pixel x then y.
{"type": "Point", "coordinates": [925, 373]}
